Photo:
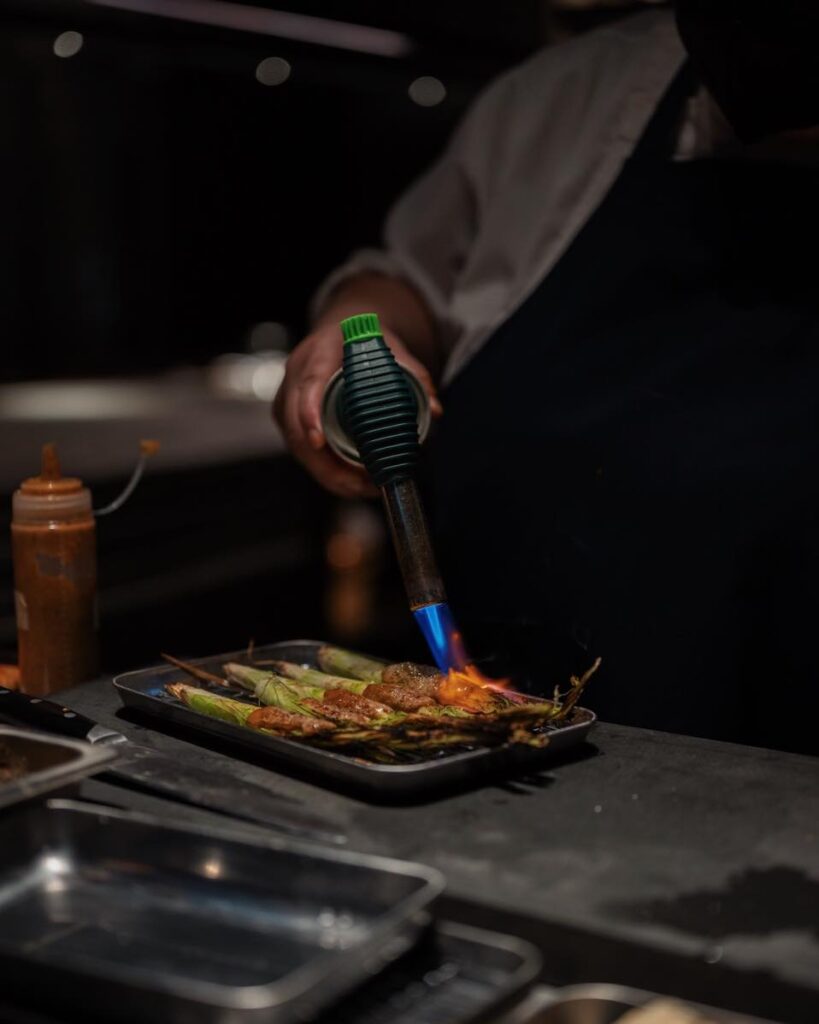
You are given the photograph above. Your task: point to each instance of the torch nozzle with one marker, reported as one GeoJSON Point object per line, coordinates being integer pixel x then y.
{"type": "Point", "coordinates": [442, 636]}
{"type": "Point", "coordinates": [410, 535]}
{"type": "Point", "coordinates": [422, 580]}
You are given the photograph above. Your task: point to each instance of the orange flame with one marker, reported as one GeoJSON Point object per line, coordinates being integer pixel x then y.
{"type": "Point", "coordinates": [467, 687]}
{"type": "Point", "coordinates": [470, 689]}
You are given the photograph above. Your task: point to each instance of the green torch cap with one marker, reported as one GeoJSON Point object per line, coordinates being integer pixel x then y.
{"type": "Point", "coordinates": [360, 327]}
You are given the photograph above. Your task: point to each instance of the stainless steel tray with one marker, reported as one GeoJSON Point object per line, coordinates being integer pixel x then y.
{"type": "Point", "coordinates": [50, 764]}
{"type": "Point", "coordinates": [135, 919]}
{"type": "Point", "coordinates": [456, 975]}
{"type": "Point", "coordinates": [604, 1004]}
{"type": "Point", "coordinates": [145, 690]}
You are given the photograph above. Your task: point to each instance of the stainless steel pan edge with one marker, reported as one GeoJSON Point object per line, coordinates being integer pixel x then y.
{"type": "Point", "coordinates": [519, 982]}
{"type": "Point", "coordinates": [87, 760]}
{"type": "Point", "coordinates": [379, 780]}
{"type": "Point", "coordinates": [599, 1002]}
{"type": "Point", "coordinates": [314, 986]}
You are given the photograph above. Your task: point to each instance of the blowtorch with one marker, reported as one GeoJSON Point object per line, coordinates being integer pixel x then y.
{"type": "Point", "coordinates": [379, 411]}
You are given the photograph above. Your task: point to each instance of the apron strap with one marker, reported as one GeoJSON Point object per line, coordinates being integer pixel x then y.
{"type": "Point", "coordinates": [658, 141]}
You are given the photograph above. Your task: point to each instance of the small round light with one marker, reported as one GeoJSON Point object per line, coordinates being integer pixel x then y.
{"type": "Point", "coordinates": [68, 44]}
{"type": "Point", "coordinates": [272, 71]}
{"type": "Point", "coordinates": [427, 91]}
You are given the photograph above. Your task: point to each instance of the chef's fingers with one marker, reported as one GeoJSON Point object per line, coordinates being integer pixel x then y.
{"type": "Point", "coordinates": [338, 477]}
{"type": "Point", "coordinates": [310, 388]}
{"type": "Point", "coordinates": [309, 367]}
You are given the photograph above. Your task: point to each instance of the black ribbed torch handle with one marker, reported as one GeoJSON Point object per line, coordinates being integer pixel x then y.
{"type": "Point", "coordinates": [381, 416]}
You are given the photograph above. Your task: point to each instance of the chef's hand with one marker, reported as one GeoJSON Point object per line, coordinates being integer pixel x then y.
{"type": "Point", "coordinates": [297, 407]}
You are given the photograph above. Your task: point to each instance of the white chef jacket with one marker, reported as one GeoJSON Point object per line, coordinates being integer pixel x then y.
{"type": "Point", "coordinates": [531, 160]}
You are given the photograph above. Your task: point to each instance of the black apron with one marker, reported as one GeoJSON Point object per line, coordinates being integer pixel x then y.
{"type": "Point", "coordinates": [630, 467]}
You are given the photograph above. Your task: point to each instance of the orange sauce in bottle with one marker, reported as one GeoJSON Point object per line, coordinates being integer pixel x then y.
{"type": "Point", "coordinates": [55, 579]}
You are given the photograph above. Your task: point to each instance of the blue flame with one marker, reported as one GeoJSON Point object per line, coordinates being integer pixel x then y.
{"type": "Point", "coordinates": [442, 635]}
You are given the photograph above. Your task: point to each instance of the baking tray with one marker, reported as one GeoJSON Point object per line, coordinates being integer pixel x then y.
{"type": "Point", "coordinates": [50, 764]}
{"type": "Point", "coordinates": [136, 919]}
{"type": "Point", "coordinates": [145, 690]}
{"type": "Point", "coordinates": [455, 975]}
{"type": "Point", "coordinates": [606, 1004]}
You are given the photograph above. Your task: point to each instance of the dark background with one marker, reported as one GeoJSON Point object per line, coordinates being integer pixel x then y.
{"type": "Point", "coordinates": [158, 201]}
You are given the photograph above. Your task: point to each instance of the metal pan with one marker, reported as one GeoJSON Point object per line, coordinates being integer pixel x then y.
{"type": "Point", "coordinates": [135, 919]}
{"type": "Point", "coordinates": [145, 690]}
{"type": "Point", "coordinates": [45, 764]}
{"type": "Point", "coordinates": [456, 974]}
{"type": "Point", "coordinates": [606, 1004]}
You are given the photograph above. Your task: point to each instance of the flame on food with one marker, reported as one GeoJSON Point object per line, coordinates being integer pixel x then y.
{"type": "Point", "coordinates": [470, 689]}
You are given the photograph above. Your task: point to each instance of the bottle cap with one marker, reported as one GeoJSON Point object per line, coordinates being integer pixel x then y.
{"type": "Point", "coordinates": [361, 327]}
{"type": "Point", "coordinates": [50, 497]}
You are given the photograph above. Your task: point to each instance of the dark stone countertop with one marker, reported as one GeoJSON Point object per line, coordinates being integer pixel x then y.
{"type": "Point", "coordinates": [673, 863]}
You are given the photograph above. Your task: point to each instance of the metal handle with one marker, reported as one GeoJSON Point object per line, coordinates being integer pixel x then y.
{"type": "Point", "coordinates": [21, 709]}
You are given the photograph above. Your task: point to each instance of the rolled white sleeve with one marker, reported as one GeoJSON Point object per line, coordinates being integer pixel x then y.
{"type": "Point", "coordinates": [526, 168]}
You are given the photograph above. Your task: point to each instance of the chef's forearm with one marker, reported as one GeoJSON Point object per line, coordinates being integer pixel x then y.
{"type": "Point", "coordinates": [400, 309]}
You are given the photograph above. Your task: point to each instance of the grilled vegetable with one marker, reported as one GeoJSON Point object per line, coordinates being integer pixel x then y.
{"type": "Point", "coordinates": [274, 690]}
{"type": "Point", "coordinates": [239, 713]}
{"type": "Point", "coordinates": [346, 663]}
{"type": "Point", "coordinates": [313, 677]}
{"type": "Point", "coordinates": [229, 710]}
{"type": "Point", "coordinates": [398, 716]}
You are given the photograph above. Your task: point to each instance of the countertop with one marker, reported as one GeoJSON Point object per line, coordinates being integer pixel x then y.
{"type": "Point", "coordinates": [673, 863]}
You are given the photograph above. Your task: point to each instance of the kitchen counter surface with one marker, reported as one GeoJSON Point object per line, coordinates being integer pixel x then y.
{"type": "Point", "coordinates": [668, 862]}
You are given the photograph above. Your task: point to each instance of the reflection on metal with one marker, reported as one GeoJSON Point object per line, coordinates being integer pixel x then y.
{"type": "Point", "coordinates": [305, 28]}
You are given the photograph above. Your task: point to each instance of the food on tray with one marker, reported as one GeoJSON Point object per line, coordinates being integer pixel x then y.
{"type": "Point", "coordinates": [276, 720]}
{"type": "Point", "coordinates": [664, 1011]}
{"type": "Point", "coordinates": [401, 698]}
{"type": "Point", "coordinates": [12, 766]}
{"type": "Point", "coordinates": [349, 664]}
{"type": "Point", "coordinates": [380, 711]}
{"type": "Point", "coordinates": [313, 677]}
{"type": "Point", "coordinates": [361, 705]}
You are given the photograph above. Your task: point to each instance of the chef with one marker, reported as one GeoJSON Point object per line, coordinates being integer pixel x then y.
{"type": "Point", "coordinates": [612, 273]}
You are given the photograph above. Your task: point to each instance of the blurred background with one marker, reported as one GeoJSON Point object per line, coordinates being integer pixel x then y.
{"type": "Point", "coordinates": [179, 175]}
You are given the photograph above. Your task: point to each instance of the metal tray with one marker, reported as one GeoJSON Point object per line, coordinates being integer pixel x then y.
{"type": "Point", "coordinates": [456, 975]}
{"type": "Point", "coordinates": [51, 764]}
{"type": "Point", "coordinates": [136, 919]}
{"type": "Point", "coordinates": [145, 690]}
{"type": "Point", "coordinates": [605, 1004]}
